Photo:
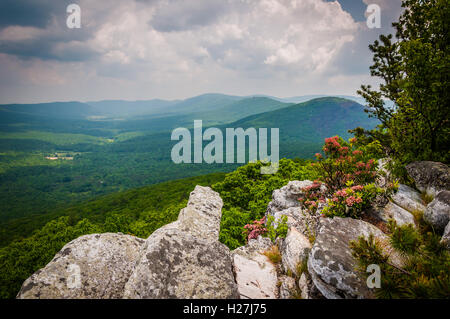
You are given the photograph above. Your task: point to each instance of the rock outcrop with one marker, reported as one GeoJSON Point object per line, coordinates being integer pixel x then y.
{"type": "Point", "coordinates": [409, 199]}
{"type": "Point", "coordinates": [287, 196]}
{"type": "Point", "coordinates": [438, 211]}
{"type": "Point", "coordinates": [256, 276]}
{"type": "Point", "coordinates": [185, 259]}
{"type": "Point", "coordinates": [294, 250]}
{"type": "Point", "coordinates": [430, 177]}
{"type": "Point", "coordinates": [181, 260]}
{"type": "Point", "coordinates": [92, 266]}
{"type": "Point", "coordinates": [395, 212]}
{"type": "Point", "coordinates": [331, 264]}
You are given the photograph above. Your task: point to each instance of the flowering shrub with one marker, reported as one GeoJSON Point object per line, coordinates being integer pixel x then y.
{"type": "Point", "coordinates": [312, 196]}
{"type": "Point", "coordinates": [350, 201]}
{"type": "Point", "coordinates": [273, 229]}
{"type": "Point", "coordinates": [343, 163]}
{"type": "Point", "coordinates": [348, 175]}
{"type": "Point", "coordinates": [255, 229]}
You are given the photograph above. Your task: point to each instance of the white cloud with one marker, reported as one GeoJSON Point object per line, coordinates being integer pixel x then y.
{"type": "Point", "coordinates": [169, 49]}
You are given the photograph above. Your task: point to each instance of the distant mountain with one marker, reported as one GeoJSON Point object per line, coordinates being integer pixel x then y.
{"type": "Point", "coordinates": [119, 108]}
{"type": "Point", "coordinates": [305, 98]}
{"type": "Point", "coordinates": [313, 120]}
{"type": "Point", "coordinates": [303, 127]}
{"type": "Point", "coordinates": [239, 109]}
{"type": "Point", "coordinates": [204, 103]}
{"type": "Point", "coordinates": [105, 117]}
{"type": "Point", "coordinates": [55, 110]}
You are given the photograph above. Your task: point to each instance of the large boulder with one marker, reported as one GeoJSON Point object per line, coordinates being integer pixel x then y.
{"type": "Point", "coordinates": [395, 212]}
{"type": "Point", "coordinates": [175, 265]}
{"type": "Point", "coordinates": [185, 259]}
{"type": "Point", "coordinates": [438, 211]}
{"type": "Point", "coordinates": [287, 196]}
{"type": "Point", "coordinates": [331, 264]}
{"type": "Point", "coordinates": [92, 266]}
{"type": "Point", "coordinates": [408, 198]}
{"type": "Point", "coordinates": [430, 177]}
{"type": "Point", "coordinates": [294, 250]}
{"type": "Point", "coordinates": [256, 276]}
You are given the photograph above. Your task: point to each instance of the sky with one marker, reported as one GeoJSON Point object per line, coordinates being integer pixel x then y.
{"type": "Point", "coordinates": [174, 49]}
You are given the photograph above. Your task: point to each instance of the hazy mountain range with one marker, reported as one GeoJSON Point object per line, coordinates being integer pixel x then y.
{"type": "Point", "coordinates": [119, 145]}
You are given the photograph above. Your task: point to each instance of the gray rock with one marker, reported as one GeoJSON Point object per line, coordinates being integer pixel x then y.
{"type": "Point", "coordinates": [307, 288]}
{"type": "Point", "coordinates": [181, 260]}
{"type": "Point", "coordinates": [201, 217]}
{"type": "Point", "coordinates": [446, 237]}
{"type": "Point", "coordinates": [175, 264]}
{"type": "Point", "coordinates": [294, 250]}
{"type": "Point", "coordinates": [288, 288]}
{"type": "Point", "coordinates": [384, 176]}
{"type": "Point", "coordinates": [287, 196]}
{"type": "Point", "coordinates": [331, 264]}
{"type": "Point", "coordinates": [438, 211]}
{"type": "Point", "coordinates": [408, 198]}
{"type": "Point", "coordinates": [92, 266]}
{"type": "Point", "coordinates": [395, 212]}
{"type": "Point", "coordinates": [430, 177]}
{"type": "Point", "coordinates": [184, 259]}
{"type": "Point", "coordinates": [300, 219]}
{"type": "Point", "coordinates": [255, 275]}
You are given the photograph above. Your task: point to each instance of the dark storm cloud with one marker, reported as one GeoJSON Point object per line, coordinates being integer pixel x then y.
{"type": "Point", "coordinates": [49, 49]}
{"type": "Point", "coordinates": [30, 13]}
{"type": "Point", "coordinates": [54, 41]}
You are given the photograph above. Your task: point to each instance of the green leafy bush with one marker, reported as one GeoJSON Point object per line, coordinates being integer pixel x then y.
{"type": "Point", "coordinates": [246, 194]}
{"type": "Point", "coordinates": [277, 229]}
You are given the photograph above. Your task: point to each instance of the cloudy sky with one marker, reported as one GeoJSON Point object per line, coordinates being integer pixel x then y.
{"type": "Point", "coordinates": [171, 49]}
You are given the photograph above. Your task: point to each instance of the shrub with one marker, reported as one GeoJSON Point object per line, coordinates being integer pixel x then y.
{"type": "Point", "coordinates": [351, 201]}
{"type": "Point", "coordinates": [342, 163]}
{"type": "Point", "coordinates": [313, 195]}
{"type": "Point", "coordinates": [272, 229]}
{"type": "Point", "coordinates": [348, 174]}
{"type": "Point", "coordinates": [278, 228]}
{"type": "Point", "coordinates": [255, 229]}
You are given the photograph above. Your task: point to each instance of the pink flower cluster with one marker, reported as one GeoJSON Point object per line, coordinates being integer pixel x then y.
{"type": "Point", "coordinates": [342, 164]}
{"type": "Point", "coordinates": [255, 229]}
{"type": "Point", "coordinates": [348, 196]}
{"type": "Point", "coordinates": [312, 195]}
{"type": "Point", "coordinates": [332, 144]}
